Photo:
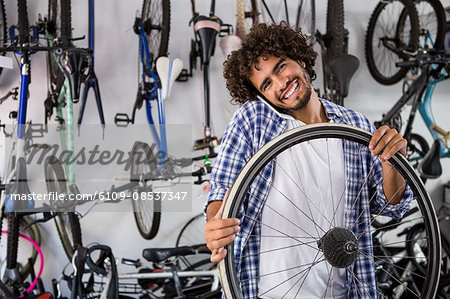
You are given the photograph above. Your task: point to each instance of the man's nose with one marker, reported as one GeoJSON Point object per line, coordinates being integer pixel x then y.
{"type": "Point", "coordinates": [280, 83]}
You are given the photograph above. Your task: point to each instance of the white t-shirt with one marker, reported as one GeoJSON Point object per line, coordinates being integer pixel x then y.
{"type": "Point", "coordinates": [303, 180]}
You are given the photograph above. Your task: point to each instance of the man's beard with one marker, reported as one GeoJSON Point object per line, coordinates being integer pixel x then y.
{"type": "Point", "coordinates": [301, 101]}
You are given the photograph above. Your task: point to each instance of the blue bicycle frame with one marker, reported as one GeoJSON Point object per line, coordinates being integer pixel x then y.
{"type": "Point", "coordinates": [154, 94]}
{"type": "Point", "coordinates": [425, 112]}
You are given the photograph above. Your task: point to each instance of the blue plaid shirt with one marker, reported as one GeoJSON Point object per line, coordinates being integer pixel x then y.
{"type": "Point", "coordinates": [255, 124]}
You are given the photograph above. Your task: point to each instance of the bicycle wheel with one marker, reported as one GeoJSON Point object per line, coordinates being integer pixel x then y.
{"type": "Point", "coordinates": [328, 253]}
{"type": "Point", "coordinates": [67, 222]}
{"type": "Point", "coordinates": [306, 18]}
{"type": "Point", "coordinates": [387, 39]}
{"type": "Point", "coordinates": [156, 20]}
{"type": "Point", "coordinates": [247, 15]}
{"type": "Point", "coordinates": [432, 23]}
{"type": "Point", "coordinates": [193, 233]}
{"type": "Point", "coordinates": [3, 36]}
{"type": "Point", "coordinates": [59, 27]}
{"type": "Point", "coordinates": [337, 44]}
{"type": "Point", "coordinates": [147, 213]}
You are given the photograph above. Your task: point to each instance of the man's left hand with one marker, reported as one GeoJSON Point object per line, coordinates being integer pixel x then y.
{"type": "Point", "coordinates": [386, 142]}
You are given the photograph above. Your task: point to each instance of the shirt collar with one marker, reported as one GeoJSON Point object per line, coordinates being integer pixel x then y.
{"type": "Point", "coordinates": [331, 110]}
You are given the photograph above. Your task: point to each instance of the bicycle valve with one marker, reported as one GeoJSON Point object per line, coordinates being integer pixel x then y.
{"type": "Point", "coordinates": [445, 134]}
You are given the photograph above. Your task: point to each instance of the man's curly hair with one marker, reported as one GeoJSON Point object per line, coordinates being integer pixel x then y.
{"type": "Point", "coordinates": [276, 40]}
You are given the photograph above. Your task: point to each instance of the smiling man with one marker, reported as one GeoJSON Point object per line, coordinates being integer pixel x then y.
{"type": "Point", "coordinates": [271, 76]}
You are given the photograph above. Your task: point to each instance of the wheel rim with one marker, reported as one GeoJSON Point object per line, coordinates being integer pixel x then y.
{"type": "Point", "coordinates": [419, 290]}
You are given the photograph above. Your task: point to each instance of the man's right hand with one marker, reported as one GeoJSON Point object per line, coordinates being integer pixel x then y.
{"type": "Point", "coordinates": [219, 232]}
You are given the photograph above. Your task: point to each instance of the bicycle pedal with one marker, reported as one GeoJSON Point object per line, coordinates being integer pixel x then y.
{"type": "Point", "coordinates": [183, 76]}
{"type": "Point", "coordinates": [122, 120]}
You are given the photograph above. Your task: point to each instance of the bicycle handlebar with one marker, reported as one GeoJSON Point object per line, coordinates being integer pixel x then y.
{"type": "Point", "coordinates": [421, 62]}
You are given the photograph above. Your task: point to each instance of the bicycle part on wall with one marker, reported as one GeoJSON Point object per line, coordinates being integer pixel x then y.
{"type": "Point", "coordinates": [298, 14]}
{"type": "Point", "coordinates": [66, 220]}
{"type": "Point", "coordinates": [389, 41]}
{"type": "Point", "coordinates": [432, 23]}
{"type": "Point", "coordinates": [147, 213]}
{"type": "Point", "coordinates": [59, 27]}
{"type": "Point", "coordinates": [155, 18]}
{"type": "Point", "coordinates": [3, 36]}
{"type": "Point", "coordinates": [206, 30]}
{"type": "Point", "coordinates": [401, 278]}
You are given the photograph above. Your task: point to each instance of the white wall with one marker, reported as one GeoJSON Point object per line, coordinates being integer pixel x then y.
{"type": "Point", "coordinates": [116, 67]}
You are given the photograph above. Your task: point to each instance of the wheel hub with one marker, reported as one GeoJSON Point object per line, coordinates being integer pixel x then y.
{"type": "Point", "coordinates": [339, 246]}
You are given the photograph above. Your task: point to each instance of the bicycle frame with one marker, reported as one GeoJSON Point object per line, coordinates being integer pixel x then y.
{"type": "Point", "coordinates": [422, 90]}
{"type": "Point", "coordinates": [91, 80]}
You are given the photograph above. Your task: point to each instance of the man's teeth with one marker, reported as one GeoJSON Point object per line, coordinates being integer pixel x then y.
{"type": "Point", "coordinates": [293, 89]}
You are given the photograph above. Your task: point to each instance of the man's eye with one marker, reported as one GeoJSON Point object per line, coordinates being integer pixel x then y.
{"type": "Point", "coordinates": [266, 85]}
{"type": "Point", "coordinates": [282, 66]}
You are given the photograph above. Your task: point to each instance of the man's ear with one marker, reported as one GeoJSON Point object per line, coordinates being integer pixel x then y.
{"type": "Point", "coordinates": [303, 64]}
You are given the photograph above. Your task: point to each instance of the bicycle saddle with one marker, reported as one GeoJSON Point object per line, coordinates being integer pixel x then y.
{"type": "Point", "coordinates": [207, 29]}
{"type": "Point", "coordinates": [158, 255]}
{"type": "Point", "coordinates": [19, 188]}
{"type": "Point", "coordinates": [75, 62]}
{"type": "Point", "coordinates": [343, 67]}
{"type": "Point", "coordinates": [430, 167]}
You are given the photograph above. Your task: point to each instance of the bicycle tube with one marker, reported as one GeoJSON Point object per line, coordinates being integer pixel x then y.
{"type": "Point", "coordinates": [147, 213]}
{"type": "Point", "coordinates": [3, 26]}
{"type": "Point", "coordinates": [66, 221]}
{"type": "Point", "coordinates": [335, 29]}
{"type": "Point", "coordinates": [236, 203]}
{"type": "Point", "coordinates": [157, 32]}
{"type": "Point", "coordinates": [247, 15]}
{"type": "Point", "coordinates": [432, 23]}
{"type": "Point", "coordinates": [384, 46]}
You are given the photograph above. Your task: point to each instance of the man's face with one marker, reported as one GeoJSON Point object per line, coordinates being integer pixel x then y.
{"type": "Point", "coordinates": [282, 81]}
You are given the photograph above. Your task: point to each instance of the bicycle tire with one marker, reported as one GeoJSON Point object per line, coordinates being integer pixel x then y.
{"type": "Point", "coordinates": [247, 15]}
{"type": "Point", "coordinates": [336, 32]}
{"type": "Point", "coordinates": [147, 213]}
{"type": "Point", "coordinates": [157, 33]}
{"type": "Point", "coordinates": [67, 222]}
{"type": "Point", "coordinates": [22, 22]}
{"type": "Point", "coordinates": [432, 21]}
{"type": "Point", "coordinates": [383, 25]}
{"type": "Point", "coordinates": [3, 26]}
{"type": "Point", "coordinates": [59, 27]}
{"type": "Point", "coordinates": [237, 195]}
{"type": "Point", "coordinates": [193, 233]}
{"type": "Point", "coordinates": [21, 224]}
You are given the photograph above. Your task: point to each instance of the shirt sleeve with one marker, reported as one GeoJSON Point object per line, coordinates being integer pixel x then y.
{"type": "Point", "coordinates": [235, 151]}
{"type": "Point", "coordinates": [381, 204]}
